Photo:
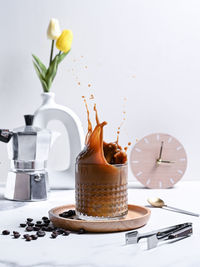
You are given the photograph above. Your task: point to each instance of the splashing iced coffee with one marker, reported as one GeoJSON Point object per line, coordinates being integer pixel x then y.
{"type": "Point", "coordinates": [101, 176]}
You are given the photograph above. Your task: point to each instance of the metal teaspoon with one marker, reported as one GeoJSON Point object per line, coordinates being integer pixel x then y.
{"type": "Point", "coordinates": [159, 203]}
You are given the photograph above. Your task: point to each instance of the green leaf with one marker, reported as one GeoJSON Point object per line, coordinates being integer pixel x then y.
{"type": "Point", "coordinates": [51, 72]}
{"type": "Point", "coordinates": [41, 66]}
{"type": "Point", "coordinates": [43, 82]}
{"type": "Point", "coordinates": [62, 56]}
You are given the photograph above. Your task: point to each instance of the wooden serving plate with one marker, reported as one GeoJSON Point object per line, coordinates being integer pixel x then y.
{"type": "Point", "coordinates": [137, 217]}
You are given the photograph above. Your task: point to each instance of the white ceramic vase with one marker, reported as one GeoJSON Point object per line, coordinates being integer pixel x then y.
{"type": "Point", "coordinates": [49, 111]}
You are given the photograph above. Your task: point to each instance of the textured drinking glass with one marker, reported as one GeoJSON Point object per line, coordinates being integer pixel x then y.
{"type": "Point", "coordinates": [101, 191]}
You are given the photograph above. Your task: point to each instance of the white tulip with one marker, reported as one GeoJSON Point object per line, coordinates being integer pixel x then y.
{"type": "Point", "coordinates": [53, 31]}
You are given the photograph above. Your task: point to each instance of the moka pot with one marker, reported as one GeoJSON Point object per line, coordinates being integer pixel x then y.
{"type": "Point", "coordinates": [28, 149]}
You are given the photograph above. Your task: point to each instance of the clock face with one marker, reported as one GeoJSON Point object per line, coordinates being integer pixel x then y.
{"type": "Point", "coordinates": [158, 161]}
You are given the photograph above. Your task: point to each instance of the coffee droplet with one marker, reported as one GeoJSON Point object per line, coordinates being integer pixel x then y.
{"type": "Point", "coordinates": [89, 85]}
{"type": "Point", "coordinates": [79, 83]}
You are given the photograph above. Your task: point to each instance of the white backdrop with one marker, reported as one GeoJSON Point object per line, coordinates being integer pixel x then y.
{"type": "Point", "coordinates": [145, 50]}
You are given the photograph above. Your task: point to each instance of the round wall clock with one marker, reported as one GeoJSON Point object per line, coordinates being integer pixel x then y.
{"type": "Point", "coordinates": [158, 160]}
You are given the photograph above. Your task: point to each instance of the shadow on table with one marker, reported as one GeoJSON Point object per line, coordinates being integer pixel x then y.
{"type": "Point", "coordinates": [9, 204]}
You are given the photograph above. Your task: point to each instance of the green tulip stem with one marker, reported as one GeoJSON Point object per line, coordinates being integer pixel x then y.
{"type": "Point", "coordinates": [59, 53]}
{"type": "Point", "coordinates": [51, 55]}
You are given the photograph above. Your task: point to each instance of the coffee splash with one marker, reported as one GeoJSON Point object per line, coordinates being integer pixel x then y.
{"type": "Point", "coordinates": [98, 151]}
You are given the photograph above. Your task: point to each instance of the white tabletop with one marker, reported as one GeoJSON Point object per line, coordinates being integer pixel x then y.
{"type": "Point", "coordinates": [102, 249]}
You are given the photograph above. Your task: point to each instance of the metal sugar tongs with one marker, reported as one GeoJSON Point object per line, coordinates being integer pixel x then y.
{"type": "Point", "coordinates": [173, 232]}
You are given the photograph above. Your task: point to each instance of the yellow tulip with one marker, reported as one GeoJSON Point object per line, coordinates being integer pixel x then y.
{"type": "Point", "coordinates": [53, 31]}
{"type": "Point", "coordinates": [64, 41]}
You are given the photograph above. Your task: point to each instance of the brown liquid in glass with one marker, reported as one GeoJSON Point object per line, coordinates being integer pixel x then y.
{"type": "Point", "coordinates": [101, 176]}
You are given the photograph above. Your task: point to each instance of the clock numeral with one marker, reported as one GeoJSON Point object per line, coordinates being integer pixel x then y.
{"type": "Point", "coordinates": [135, 161]}
{"type": "Point", "coordinates": [172, 180]}
{"type": "Point", "coordinates": [169, 140]}
{"type": "Point", "coordinates": [178, 148]}
{"type": "Point", "coordinates": [138, 150]}
{"type": "Point", "coordinates": [146, 140]}
{"type": "Point", "coordinates": [148, 182]}
{"type": "Point", "coordinates": [158, 137]}
{"type": "Point", "coordinates": [139, 173]}
{"type": "Point", "coordinates": [183, 159]}
{"type": "Point", "coordinates": [160, 184]}
{"type": "Point", "coordinates": [180, 171]}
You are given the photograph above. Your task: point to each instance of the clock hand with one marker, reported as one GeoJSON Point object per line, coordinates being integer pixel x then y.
{"type": "Point", "coordinates": [159, 161]}
{"type": "Point", "coordinates": [161, 148]}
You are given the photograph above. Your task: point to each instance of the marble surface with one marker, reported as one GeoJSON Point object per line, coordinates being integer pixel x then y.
{"type": "Point", "coordinates": [102, 249]}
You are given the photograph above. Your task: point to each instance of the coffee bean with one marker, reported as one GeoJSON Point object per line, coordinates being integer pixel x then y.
{"type": "Point", "coordinates": [47, 221]}
{"type": "Point", "coordinates": [44, 228]}
{"type": "Point", "coordinates": [30, 224]}
{"type": "Point", "coordinates": [23, 225]}
{"type": "Point", "coordinates": [17, 235]}
{"type": "Point", "coordinates": [60, 231]}
{"type": "Point", "coordinates": [71, 212]}
{"type": "Point", "coordinates": [29, 219]}
{"type": "Point", "coordinates": [5, 232]}
{"type": "Point", "coordinates": [67, 214]}
{"type": "Point", "coordinates": [38, 225]}
{"type": "Point", "coordinates": [15, 232]}
{"type": "Point", "coordinates": [26, 235]}
{"type": "Point", "coordinates": [28, 238]}
{"type": "Point", "coordinates": [49, 229]}
{"type": "Point", "coordinates": [29, 228]}
{"type": "Point", "coordinates": [64, 215]}
{"type": "Point", "coordinates": [66, 233]}
{"type": "Point", "coordinates": [34, 237]}
{"type": "Point", "coordinates": [40, 233]}
{"type": "Point", "coordinates": [39, 222]}
{"type": "Point", "coordinates": [81, 231]}
{"type": "Point", "coordinates": [54, 235]}
{"type": "Point", "coordinates": [36, 228]}
{"type": "Point", "coordinates": [44, 218]}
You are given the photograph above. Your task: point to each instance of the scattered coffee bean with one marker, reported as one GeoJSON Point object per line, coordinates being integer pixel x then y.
{"type": "Point", "coordinates": [29, 228]}
{"type": "Point", "coordinates": [34, 237]}
{"type": "Point", "coordinates": [41, 233]}
{"type": "Point", "coordinates": [28, 238]}
{"type": "Point", "coordinates": [16, 235]}
{"type": "Point", "coordinates": [60, 231]}
{"type": "Point", "coordinates": [15, 232]}
{"type": "Point", "coordinates": [54, 235]}
{"type": "Point", "coordinates": [30, 224]}
{"type": "Point", "coordinates": [47, 221]}
{"type": "Point", "coordinates": [25, 236]}
{"type": "Point", "coordinates": [29, 219]}
{"type": "Point", "coordinates": [38, 225]}
{"type": "Point", "coordinates": [81, 231]}
{"type": "Point", "coordinates": [5, 232]}
{"type": "Point", "coordinates": [50, 229]}
{"type": "Point", "coordinates": [36, 228]}
{"type": "Point", "coordinates": [66, 233]}
{"type": "Point", "coordinates": [45, 228]}
{"type": "Point", "coordinates": [44, 218]}
{"type": "Point", "coordinates": [39, 222]}
{"type": "Point", "coordinates": [23, 225]}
